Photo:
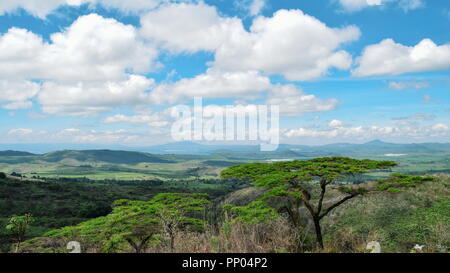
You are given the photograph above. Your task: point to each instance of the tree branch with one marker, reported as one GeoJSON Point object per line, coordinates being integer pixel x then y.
{"type": "Point", "coordinates": [323, 186]}
{"type": "Point", "coordinates": [145, 240]}
{"type": "Point", "coordinates": [306, 196]}
{"type": "Point", "coordinates": [133, 244]}
{"type": "Point", "coordinates": [338, 204]}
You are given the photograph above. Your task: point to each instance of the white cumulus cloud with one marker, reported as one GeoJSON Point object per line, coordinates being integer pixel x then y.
{"type": "Point", "coordinates": [438, 130]}
{"type": "Point", "coordinates": [402, 85]}
{"type": "Point", "coordinates": [42, 8]}
{"type": "Point", "coordinates": [257, 6]}
{"type": "Point", "coordinates": [91, 66]}
{"type": "Point", "coordinates": [17, 94]}
{"type": "Point", "coordinates": [84, 99]}
{"type": "Point", "coordinates": [295, 102]}
{"type": "Point", "coordinates": [305, 48]}
{"type": "Point", "coordinates": [212, 84]}
{"type": "Point", "coordinates": [391, 58]}
{"type": "Point", "coordinates": [92, 48]}
{"type": "Point", "coordinates": [335, 123]}
{"type": "Point", "coordinates": [20, 132]}
{"type": "Point", "coordinates": [197, 27]}
{"type": "Point", "coordinates": [291, 43]}
{"type": "Point", "coordinates": [357, 5]}
{"type": "Point", "coordinates": [154, 120]}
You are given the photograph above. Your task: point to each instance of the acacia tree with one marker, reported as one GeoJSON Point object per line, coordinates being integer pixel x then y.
{"type": "Point", "coordinates": [136, 223]}
{"type": "Point", "coordinates": [175, 210]}
{"type": "Point", "coordinates": [133, 222]}
{"type": "Point", "coordinates": [298, 183]}
{"type": "Point", "coordinates": [139, 221]}
{"type": "Point", "coordinates": [130, 223]}
{"type": "Point", "coordinates": [18, 226]}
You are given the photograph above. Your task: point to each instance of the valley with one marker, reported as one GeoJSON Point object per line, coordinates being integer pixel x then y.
{"type": "Point", "coordinates": [206, 161]}
{"type": "Point", "coordinates": [69, 187]}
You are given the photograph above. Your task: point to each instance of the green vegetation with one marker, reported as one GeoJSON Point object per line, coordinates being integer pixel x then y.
{"type": "Point", "coordinates": [416, 215]}
{"type": "Point", "coordinates": [62, 202]}
{"type": "Point", "coordinates": [396, 181]}
{"type": "Point", "coordinates": [255, 212]}
{"type": "Point", "coordinates": [399, 221]}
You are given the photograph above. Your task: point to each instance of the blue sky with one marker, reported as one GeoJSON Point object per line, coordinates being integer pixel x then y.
{"type": "Point", "coordinates": [98, 71]}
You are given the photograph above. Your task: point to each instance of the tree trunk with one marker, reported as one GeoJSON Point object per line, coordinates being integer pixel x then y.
{"type": "Point", "coordinates": [142, 244]}
{"type": "Point", "coordinates": [133, 245]}
{"type": "Point", "coordinates": [318, 230]}
{"type": "Point", "coordinates": [172, 243]}
{"type": "Point", "coordinates": [17, 247]}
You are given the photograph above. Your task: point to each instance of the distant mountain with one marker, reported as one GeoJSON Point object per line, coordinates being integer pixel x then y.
{"type": "Point", "coordinates": [108, 156]}
{"type": "Point", "coordinates": [15, 153]}
{"type": "Point", "coordinates": [42, 148]}
{"type": "Point", "coordinates": [180, 151]}
{"type": "Point", "coordinates": [181, 148]}
{"type": "Point", "coordinates": [199, 149]}
{"type": "Point", "coordinates": [376, 147]}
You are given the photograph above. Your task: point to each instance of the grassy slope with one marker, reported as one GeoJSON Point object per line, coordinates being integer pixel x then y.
{"type": "Point", "coordinates": [398, 221]}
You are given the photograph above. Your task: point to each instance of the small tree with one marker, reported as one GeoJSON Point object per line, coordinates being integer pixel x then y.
{"type": "Point", "coordinates": [18, 226]}
{"type": "Point", "coordinates": [133, 222]}
{"type": "Point", "coordinates": [175, 210]}
{"type": "Point", "coordinates": [293, 184]}
{"type": "Point", "coordinates": [138, 221]}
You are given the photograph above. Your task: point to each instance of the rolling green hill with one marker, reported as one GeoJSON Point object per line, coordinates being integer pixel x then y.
{"type": "Point", "coordinates": [108, 156]}
{"type": "Point", "coordinates": [15, 153]}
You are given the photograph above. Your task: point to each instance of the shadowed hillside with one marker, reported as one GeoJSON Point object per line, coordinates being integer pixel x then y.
{"type": "Point", "coordinates": [108, 156]}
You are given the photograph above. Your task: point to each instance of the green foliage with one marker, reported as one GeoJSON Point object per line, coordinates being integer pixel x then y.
{"type": "Point", "coordinates": [416, 226]}
{"type": "Point", "coordinates": [286, 179]}
{"type": "Point", "coordinates": [93, 210]}
{"type": "Point", "coordinates": [18, 227]}
{"type": "Point", "coordinates": [136, 223]}
{"type": "Point", "coordinates": [397, 181]}
{"type": "Point", "coordinates": [416, 215]}
{"type": "Point", "coordinates": [181, 201]}
{"type": "Point", "coordinates": [328, 169]}
{"type": "Point", "coordinates": [255, 212]}
{"type": "Point", "coordinates": [393, 190]}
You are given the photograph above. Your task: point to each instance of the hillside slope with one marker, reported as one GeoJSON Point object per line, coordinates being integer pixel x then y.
{"type": "Point", "coordinates": [108, 156]}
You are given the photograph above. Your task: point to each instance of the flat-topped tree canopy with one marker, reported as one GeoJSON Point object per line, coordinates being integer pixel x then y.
{"type": "Point", "coordinates": [327, 170]}
{"type": "Point", "coordinates": [185, 202]}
